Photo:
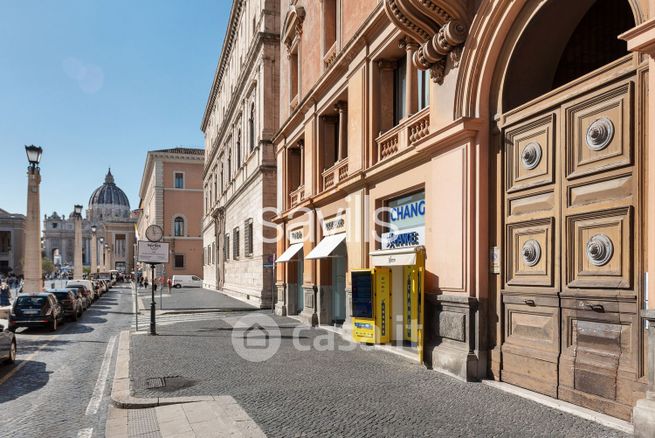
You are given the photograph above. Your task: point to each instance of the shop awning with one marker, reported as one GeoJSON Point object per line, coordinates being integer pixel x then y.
{"type": "Point", "coordinates": [289, 253]}
{"type": "Point", "coordinates": [395, 257]}
{"type": "Point", "coordinates": [326, 246]}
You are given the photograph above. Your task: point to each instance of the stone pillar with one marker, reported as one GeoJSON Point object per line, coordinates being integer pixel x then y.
{"type": "Point", "coordinates": [78, 267]}
{"type": "Point", "coordinates": [642, 39]}
{"type": "Point", "coordinates": [32, 269]}
{"type": "Point", "coordinates": [343, 131]}
{"type": "Point", "coordinates": [411, 77]}
{"type": "Point", "coordinates": [94, 254]}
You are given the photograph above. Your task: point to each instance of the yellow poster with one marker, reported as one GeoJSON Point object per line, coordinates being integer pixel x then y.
{"type": "Point", "coordinates": [383, 312]}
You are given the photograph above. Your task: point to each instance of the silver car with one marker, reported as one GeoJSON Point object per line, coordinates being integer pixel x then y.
{"type": "Point", "coordinates": [7, 345]}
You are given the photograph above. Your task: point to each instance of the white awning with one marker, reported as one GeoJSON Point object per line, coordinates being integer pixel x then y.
{"type": "Point", "coordinates": [395, 257]}
{"type": "Point", "coordinates": [326, 246]}
{"type": "Point", "coordinates": [289, 253]}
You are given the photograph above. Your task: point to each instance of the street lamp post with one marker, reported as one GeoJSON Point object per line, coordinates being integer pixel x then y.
{"type": "Point", "coordinates": [94, 250]}
{"type": "Point", "coordinates": [78, 269]}
{"type": "Point", "coordinates": [32, 268]}
{"type": "Point", "coordinates": [102, 248]}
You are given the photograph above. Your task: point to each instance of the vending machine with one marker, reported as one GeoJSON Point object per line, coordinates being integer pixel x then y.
{"type": "Point", "coordinates": [371, 292]}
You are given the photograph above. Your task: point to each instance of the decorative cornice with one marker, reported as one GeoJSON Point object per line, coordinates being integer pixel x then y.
{"type": "Point", "coordinates": [292, 28]}
{"type": "Point", "coordinates": [437, 26]}
{"type": "Point", "coordinates": [228, 44]}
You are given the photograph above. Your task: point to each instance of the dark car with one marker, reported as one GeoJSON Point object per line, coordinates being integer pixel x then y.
{"type": "Point", "coordinates": [69, 303]}
{"type": "Point", "coordinates": [7, 345]}
{"type": "Point", "coordinates": [36, 310]}
{"type": "Point", "coordinates": [87, 295]}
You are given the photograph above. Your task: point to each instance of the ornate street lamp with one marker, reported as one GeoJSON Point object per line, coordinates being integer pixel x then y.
{"type": "Point", "coordinates": [78, 267]}
{"type": "Point", "coordinates": [32, 268]}
{"type": "Point", "coordinates": [34, 155]}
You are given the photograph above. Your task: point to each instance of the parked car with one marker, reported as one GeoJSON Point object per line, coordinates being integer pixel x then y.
{"type": "Point", "coordinates": [104, 285]}
{"type": "Point", "coordinates": [79, 295]}
{"type": "Point", "coordinates": [36, 310]}
{"type": "Point", "coordinates": [7, 345]}
{"type": "Point", "coordinates": [86, 294]}
{"type": "Point", "coordinates": [186, 281]}
{"type": "Point", "coordinates": [87, 284]}
{"type": "Point", "coordinates": [69, 303]}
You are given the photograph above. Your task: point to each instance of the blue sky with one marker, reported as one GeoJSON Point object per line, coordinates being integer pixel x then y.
{"type": "Point", "coordinates": [98, 83]}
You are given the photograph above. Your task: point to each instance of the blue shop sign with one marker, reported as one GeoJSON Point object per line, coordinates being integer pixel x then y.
{"type": "Point", "coordinates": [408, 211]}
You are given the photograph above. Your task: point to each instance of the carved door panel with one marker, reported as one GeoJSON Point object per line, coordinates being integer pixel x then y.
{"type": "Point", "coordinates": [532, 282]}
{"type": "Point", "coordinates": [600, 194]}
{"type": "Point", "coordinates": [570, 306]}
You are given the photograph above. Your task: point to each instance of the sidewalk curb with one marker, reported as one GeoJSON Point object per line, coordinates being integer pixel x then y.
{"type": "Point", "coordinates": [121, 393]}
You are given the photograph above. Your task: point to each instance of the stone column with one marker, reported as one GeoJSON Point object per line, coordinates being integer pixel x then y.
{"type": "Point", "coordinates": [343, 130]}
{"type": "Point", "coordinates": [301, 146]}
{"type": "Point", "coordinates": [411, 77]}
{"type": "Point", "coordinates": [32, 269]}
{"type": "Point", "coordinates": [642, 39]}
{"type": "Point", "coordinates": [78, 269]}
{"type": "Point", "coordinates": [94, 254]}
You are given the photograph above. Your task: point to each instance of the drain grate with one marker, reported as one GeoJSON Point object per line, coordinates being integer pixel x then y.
{"type": "Point", "coordinates": [156, 382]}
{"type": "Point", "coordinates": [169, 383]}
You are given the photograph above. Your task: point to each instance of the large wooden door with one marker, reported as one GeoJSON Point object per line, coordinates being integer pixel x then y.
{"type": "Point", "coordinates": [571, 277]}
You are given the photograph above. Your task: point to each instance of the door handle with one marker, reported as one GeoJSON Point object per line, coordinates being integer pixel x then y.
{"type": "Point", "coordinates": [595, 307]}
{"type": "Point", "coordinates": [530, 302]}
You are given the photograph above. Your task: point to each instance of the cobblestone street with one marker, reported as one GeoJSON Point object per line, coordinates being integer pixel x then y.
{"type": "Point", "coordinates": [56, 387]}
{"type": "Point", "coordinates": [340, 391]}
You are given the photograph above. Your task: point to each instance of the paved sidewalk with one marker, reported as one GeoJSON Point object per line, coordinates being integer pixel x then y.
{"type": "Point", "coordinates": [320, 385]}
{"type": "Point", "coordinates": [222, 417]}
{"type": "Point", "coordinates": [192, 299]}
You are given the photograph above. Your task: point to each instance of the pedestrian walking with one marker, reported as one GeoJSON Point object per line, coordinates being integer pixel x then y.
{"type": "Point", "coordinates": [169, 282]}
{"type": "Point", "coordinates": [145, 283]}
{"type": "Point", "coordinates": [5, 295]}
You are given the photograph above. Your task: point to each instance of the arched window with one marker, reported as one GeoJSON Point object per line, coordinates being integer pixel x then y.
{"type": "Point", "coordinates": [178, 227]}
{"type": "Point", "coordinates": [251, 128]}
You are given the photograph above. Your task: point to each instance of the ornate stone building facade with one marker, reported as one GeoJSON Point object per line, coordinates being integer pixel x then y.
{"type": "Point", "coordinates": [109, 210]}
{"type": "Point", "coordinates": [171, 195]}
{"type": "Point", "coordinates": [12, 231]}
{"type": "Point", "coordinates": [519, 165]}
{"type": "Point", "coordinates": [239, 177]}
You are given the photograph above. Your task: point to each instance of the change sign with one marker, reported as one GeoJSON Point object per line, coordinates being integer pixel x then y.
{"type": "Point", "coordinates": [152, 252]}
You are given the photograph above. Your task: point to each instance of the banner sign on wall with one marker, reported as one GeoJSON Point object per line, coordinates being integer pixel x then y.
{"type": "Point", "coordinates": [407, 214]}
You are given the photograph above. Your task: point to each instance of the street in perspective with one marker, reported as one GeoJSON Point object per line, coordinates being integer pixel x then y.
{"type": "Point", "coordinates": [334, 218]}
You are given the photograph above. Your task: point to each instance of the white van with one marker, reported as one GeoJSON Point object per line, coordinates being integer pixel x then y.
{"type": "Point", "coordinates": [186, 281]}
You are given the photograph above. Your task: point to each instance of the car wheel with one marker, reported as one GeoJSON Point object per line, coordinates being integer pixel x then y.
{"type": "Point", "coordinates": [12, 353]}
{"type": "Point", "coordinates": [178, 286]}
{"type": "Point", "coordinates": [53, 325]}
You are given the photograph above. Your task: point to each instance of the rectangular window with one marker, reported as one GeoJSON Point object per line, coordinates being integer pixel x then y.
{"type": "Point", "coordinates": [235, 240]}
{"type": "Point", "coordinates": [423, 89]}
{"type": "Point", "coordinates": [179, 261]}
{"type": "Point", "coordinates": [293, 74]}
{"type": "Point", "coordinates": [248, 243]}
{"type": "Point", "coordinates": [399, 89]}
{"type": "Point", "coordinates": [329, 24]}
{"type": "Point", "coordinates": [179, 180]}
{"type": "Point", "coordinates": [226, 247]}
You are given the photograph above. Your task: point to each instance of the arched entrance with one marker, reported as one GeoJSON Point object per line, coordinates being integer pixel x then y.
{"type": "Point", "coordinates": [569, 207]}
